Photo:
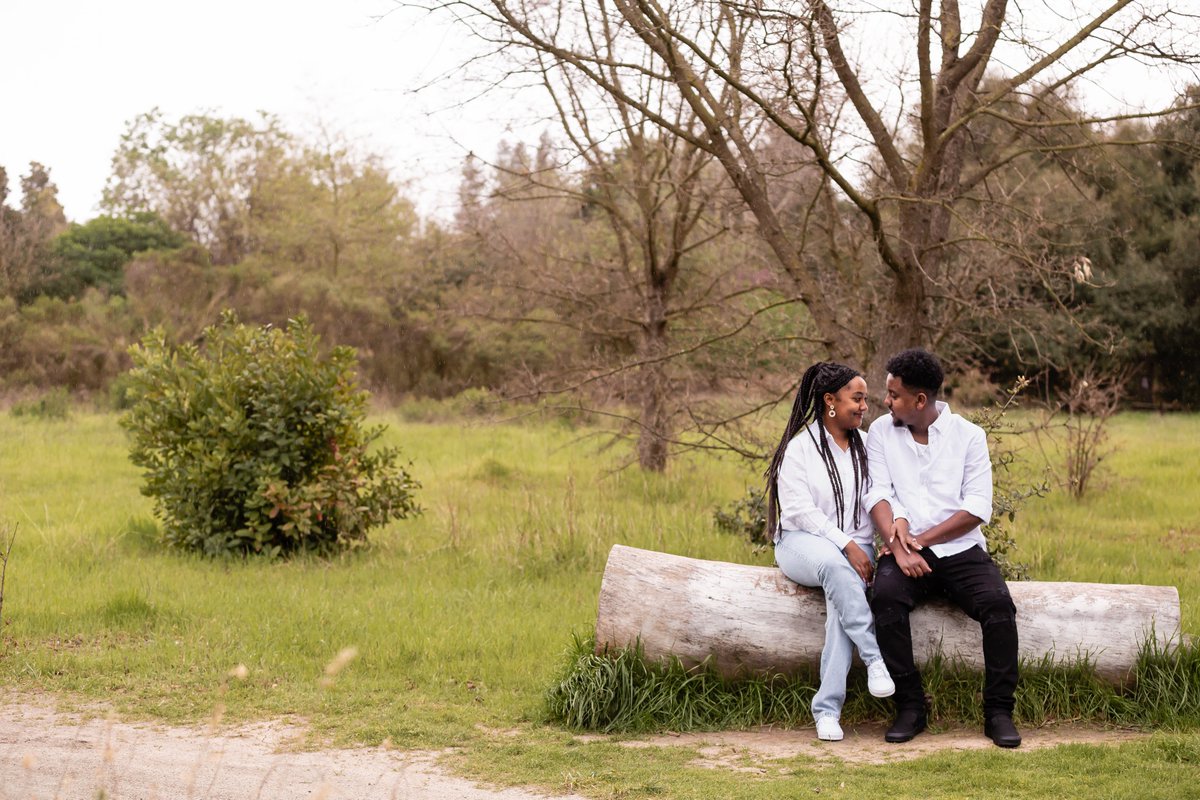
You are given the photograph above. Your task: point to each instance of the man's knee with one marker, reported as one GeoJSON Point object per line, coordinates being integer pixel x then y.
{"type": "Point", "coordinates": [890, 598]}
{"type": "Point", "coordinates": [995, 605]}
{"type": "Point", "coordinates": [888, 614]}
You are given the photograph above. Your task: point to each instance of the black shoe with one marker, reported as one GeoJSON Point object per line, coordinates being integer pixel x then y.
{"type": "Point", "coordinates": [1000, 729]}
{"type": "Point", "coordinates": [909, 722]}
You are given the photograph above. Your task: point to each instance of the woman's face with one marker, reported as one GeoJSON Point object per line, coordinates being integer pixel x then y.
{"type": "Point", "coordinates": [849, 405]}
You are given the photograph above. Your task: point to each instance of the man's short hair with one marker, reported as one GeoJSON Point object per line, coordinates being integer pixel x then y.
{"type": "Point", "coordinates": [919, 369]}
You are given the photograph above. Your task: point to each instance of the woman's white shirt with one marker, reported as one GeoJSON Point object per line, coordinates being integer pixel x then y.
{"type": "Point", "coordinates": [806, 500]}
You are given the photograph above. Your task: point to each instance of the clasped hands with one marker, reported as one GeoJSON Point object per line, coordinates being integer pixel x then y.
{"type": "Point", "coordinates": [905, 548]}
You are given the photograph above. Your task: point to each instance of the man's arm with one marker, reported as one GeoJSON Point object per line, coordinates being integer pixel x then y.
{"type": "Point", "coordinates": [951, 528]}
{"type": "Point", "coordinates": [889, 521]}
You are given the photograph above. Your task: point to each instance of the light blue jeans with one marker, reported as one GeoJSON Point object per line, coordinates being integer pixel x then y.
{"type": "Point", "coordinates": [812, 560]}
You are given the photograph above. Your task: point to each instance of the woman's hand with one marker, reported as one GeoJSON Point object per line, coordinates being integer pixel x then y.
{"type": "Point", "coordinates": [858, 559]}
{"type": "Point", "coordinates": [901, 539]}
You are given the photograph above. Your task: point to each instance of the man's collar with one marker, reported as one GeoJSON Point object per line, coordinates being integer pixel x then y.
{"type": "Point", "coordinates": [944, 414]}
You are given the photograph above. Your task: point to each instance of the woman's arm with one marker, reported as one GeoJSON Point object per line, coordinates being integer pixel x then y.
{"type": "Point", "coordinates": [799, 473]}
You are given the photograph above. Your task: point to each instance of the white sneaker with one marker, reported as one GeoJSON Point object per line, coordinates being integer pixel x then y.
{"type": "Point", "coordinates": [879, 682]}
{"type": "Point", "coordinates": [828, 729]}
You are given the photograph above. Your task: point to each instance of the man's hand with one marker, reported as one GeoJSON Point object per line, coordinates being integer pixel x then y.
{"type": "Point", "coordinates": [910, 563]}
{"type": "Point", "coordinates": [858, 559]}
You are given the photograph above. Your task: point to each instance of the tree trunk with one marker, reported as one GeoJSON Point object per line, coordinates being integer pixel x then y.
{"type": "Point", "coordinates": [754, 620]}
{"type": "Point", "coordinates": [654, 417]}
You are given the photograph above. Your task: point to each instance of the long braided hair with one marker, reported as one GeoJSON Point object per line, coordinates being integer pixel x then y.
{"type": "Point", "coordinates": [819, 379]}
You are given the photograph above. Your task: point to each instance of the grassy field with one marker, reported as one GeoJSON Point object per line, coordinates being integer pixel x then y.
{"type": "Point", "coordinates": [462, 617]}
{"type": "Point", "coordinates": [1139, 524]}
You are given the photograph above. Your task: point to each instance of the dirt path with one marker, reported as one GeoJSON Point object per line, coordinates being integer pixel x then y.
{"type": "Point", "coordinates": [745, 750]}
{"type": "Point", "coordinates": [46, 754]}
{"type": "Point", "coordinates": [51, 755]}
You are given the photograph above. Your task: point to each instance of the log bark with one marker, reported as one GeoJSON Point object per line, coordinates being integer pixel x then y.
{"type": "Point", "coordinates": [754, 620]}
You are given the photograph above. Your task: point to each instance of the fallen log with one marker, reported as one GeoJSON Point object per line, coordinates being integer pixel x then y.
{"type": "Point", "coordinates": [754, 620]}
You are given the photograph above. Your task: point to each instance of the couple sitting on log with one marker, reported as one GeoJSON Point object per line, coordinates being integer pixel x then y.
{"type": "Point", "coordinates": [921, 478]}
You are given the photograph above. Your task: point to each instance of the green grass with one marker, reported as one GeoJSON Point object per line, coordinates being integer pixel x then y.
{"type": "Point", "coordinates": [460, 617]}
{"type": "Point", "coordinates": [464, 617]}
{"type": "Point", "coordinates": [1139, 524]}
{"type": "Point", "coordinates": [623, 692]}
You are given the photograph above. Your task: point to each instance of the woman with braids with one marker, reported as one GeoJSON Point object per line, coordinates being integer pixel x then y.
{"type": "Point", "coordinates": [822, 533]}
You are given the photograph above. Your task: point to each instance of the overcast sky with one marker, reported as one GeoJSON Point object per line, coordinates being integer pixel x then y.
{"type": "Point", "coordinates": [76, 71]}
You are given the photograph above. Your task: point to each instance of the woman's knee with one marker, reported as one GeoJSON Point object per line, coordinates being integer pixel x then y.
{"type": "Point", "coordinates": [836, 573]}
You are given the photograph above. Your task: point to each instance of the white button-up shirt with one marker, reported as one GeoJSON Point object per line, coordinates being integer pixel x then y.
{"type": "Point", "coordinates": [928, 483]}
{"type": "Point", "coordinates": [806, 501]}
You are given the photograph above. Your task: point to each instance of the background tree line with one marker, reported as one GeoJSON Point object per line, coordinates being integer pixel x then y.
{"type": "Point", "coordinates": [618, 264]}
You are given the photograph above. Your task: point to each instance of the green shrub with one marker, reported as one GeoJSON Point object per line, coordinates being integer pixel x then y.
{"type": "Point", "coordinates": [256, 444]}
{"type": "Point", "coordinates": [745, 517]}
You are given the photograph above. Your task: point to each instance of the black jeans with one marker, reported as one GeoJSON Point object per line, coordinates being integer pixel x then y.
{"type": "Point", "coordinates": [970, 580]}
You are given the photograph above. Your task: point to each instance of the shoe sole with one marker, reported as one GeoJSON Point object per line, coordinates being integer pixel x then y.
{"type": "Point", "coordinates": [830, 738]}
{"type": "Point", "coordinates": [889, 692]}
{"type": "Point", "coordinates": [887, 737]}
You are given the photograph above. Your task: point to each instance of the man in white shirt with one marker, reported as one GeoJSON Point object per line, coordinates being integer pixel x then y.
{"type": "Point", "coordinates": [931, 492]}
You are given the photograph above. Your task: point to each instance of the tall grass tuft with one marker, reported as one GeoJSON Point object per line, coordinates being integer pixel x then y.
{"type": "Point", "coordinates": [1167, 691]}
{"type": "Point", "coordinates": [622, 691]}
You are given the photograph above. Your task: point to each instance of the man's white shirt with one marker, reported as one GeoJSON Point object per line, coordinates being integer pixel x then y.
{"type": "Point", "coordinates": [926, 484]}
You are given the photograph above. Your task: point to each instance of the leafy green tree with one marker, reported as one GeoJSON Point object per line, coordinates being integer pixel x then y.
{"type": "Point", "coordinates": [332, 210]}
{"type": "Point", "coordinates": [26, 233]}
{"type": "Point", "coordinates": [257, 443]}
{"type": "Point", "coordinates": [1150, 267]}
{"type": "Point", "coordinates": [201, 174]}
{"type": "Point", "coordinates": [1135, 289]}
{"type": "Point", "coordinates": [95, 253]}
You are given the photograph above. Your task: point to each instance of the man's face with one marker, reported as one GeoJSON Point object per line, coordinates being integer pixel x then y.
{"type": "Point", "coordinates": [902, 402]}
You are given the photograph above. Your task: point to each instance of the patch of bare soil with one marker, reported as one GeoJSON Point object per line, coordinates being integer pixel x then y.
{"type": "Point", "coordinates": [750, 750]}
{"type": "Point", "coordinates": [47, 754]}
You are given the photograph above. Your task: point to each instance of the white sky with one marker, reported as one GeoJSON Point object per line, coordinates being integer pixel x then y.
{"type": "Point", "coordinates": [76, 71]}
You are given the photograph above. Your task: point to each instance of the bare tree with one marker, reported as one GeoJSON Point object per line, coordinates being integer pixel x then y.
{"type": "Point", "coordinates": [656, 196]}
{"type": "Point", "coordinates": [632, 259]}
{"type": "Point", "coordinates": [897, 142]}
